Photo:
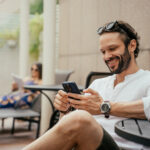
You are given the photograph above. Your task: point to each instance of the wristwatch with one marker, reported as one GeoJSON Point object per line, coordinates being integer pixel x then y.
{"type": "Point", "coordinates": [105, 108]}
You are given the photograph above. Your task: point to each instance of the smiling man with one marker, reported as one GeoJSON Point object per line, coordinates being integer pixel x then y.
{"type": "Point", "coordinates": [114, 46]}
{"type": "Point", "coordinates": [126, 94]}
{"type": "Point", "coordinates": [114, 51]}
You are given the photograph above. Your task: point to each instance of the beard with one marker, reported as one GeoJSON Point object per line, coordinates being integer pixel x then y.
{"type": "Point", "coordinates": [124, 61]}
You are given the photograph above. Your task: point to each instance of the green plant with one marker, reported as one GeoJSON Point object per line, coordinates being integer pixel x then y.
{"type": "Point", "coordinates": [36, 27]}
{"type": "Point", "coordinates": [36, 7]}
{"type": "Point", "coordinates": [57, 1]}
{"type": "Point", "coordinates": [8, 35]}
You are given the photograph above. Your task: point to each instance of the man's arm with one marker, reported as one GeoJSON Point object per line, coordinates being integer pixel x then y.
{"type": "Point", "coordinates": [132, 109]}
{"type": "Point", "coordinates": [92, 102]}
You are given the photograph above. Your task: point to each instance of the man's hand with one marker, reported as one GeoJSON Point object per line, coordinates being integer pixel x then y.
{"type": "Point", "coordinates": [61, 101]}
{"type": "Point", "coordinates": [89, 102]}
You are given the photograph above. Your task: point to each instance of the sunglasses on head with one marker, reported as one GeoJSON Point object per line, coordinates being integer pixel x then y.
{"type": "Point", "coordinates": [34, 69]}
{"type": "Point", "coordinates": [115, 26]}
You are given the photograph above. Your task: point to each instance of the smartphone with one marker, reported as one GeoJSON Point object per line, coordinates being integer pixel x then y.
{"type": "Point", "coordinates": [71, 87]}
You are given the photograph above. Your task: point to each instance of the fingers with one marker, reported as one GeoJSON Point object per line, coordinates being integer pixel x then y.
{"type": "Point", "coordinates": [62, 93]}
{"type": "Point", "coordinates": [61, 101]}
{"type": "Point", "coordinates": [76, 96]}
{"type": "Point", "coordinates": [62, 96]}
{"type": "Point", "coordinates": [93, 92]}
{"type": "Point", "coordinates": [76, 102]}
{"type": "Point", "coordinates": [76, 106]}
{"type": "Point", "coordinates": [61, 105]}
{"type": "Point", "coordinates": [89, 102]}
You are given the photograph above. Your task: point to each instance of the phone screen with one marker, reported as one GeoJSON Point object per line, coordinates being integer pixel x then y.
{"type": "Point", "coordinates": [72, 88]}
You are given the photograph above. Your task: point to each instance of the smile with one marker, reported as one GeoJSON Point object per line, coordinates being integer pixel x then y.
{"type": "Point", "coordinates": [112, 62]}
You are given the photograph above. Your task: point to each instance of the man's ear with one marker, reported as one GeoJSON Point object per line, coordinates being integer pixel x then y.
{"type": "Point", "coordinates": [132, 46]}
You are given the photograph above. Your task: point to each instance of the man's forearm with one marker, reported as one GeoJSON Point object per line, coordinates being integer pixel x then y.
{"type": "Point", "coordinates": [134, 109]}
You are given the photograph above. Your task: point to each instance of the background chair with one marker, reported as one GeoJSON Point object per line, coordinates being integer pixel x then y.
{"type": "Point", "coordinates": [95, 75]}
{"type": "Point", "coordinates": [62, 75]}
{"type": "Point", "coordinates": [33, 114]}
{"type": "Point", "coordinates": [90, 78]}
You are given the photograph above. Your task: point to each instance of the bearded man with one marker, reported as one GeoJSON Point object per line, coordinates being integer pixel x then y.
{"type": "Point", "coordinates": [125, 94]}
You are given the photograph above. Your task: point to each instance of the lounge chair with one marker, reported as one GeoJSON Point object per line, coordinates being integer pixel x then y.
{"type": "Point", "coordinates": [33, 113]}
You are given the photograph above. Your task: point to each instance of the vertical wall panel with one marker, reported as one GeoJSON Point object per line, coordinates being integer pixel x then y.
{"type": "Point", "coordinates": [79, 43]}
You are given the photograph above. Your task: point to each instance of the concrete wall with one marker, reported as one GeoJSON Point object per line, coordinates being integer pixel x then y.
{"type": "Point", "coordinates": [9, 6]}
{"type": "Point", "coordinates": [79, 20]}
{"type": "Point", "coordinates": [8, 65]}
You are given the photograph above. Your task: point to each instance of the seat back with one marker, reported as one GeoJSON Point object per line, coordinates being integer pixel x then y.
{"type": "Point", "coordinates": [62, 75]}
{"type": "Point", "coordinates": [36, 104]}
{"type": "Point", "coordinates": [95, 75]}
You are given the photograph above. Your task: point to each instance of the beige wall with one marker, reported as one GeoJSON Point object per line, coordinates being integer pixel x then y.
{"type": "Point", "coordinates": [9, 6]}
{"type": "Point", "coordinates": [79, 20]}
{"type": "Point", "coordinates": [8, 65]}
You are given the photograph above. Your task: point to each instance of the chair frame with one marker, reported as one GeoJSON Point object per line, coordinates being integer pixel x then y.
{"type": "Point", "coordinates": [23, 114]}
{"type": "Point", "coordinates": [98, 74]}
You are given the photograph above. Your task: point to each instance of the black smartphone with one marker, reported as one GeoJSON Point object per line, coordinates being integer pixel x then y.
{"type": "Point", "coordinates": [71, 87]}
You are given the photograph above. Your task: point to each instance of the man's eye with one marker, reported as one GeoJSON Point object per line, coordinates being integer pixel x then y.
{"type": "Point", "coordinates": [103, 52]}
{"type": "Point", "coordinates": [112, 48]}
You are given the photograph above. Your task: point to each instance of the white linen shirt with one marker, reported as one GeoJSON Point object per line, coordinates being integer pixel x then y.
{"type": "Point", "coordinates": [135, 86]}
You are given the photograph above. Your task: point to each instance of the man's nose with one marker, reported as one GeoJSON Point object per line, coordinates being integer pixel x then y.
{"type": "Point", "coordinates": [107, 55]}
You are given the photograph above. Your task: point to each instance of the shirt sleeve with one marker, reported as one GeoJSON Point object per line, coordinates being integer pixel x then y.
{"type": "Point", "coordinates": [146, 102]}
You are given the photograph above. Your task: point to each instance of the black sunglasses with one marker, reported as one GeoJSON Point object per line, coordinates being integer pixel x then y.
{"type": "Point", "coordinates": [115, 25]}
{"type": "Point", "coordinates": [33, 69]}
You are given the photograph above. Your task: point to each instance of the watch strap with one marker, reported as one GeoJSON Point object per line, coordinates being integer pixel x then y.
{"type": "Point", "coordinates": [106, 115]}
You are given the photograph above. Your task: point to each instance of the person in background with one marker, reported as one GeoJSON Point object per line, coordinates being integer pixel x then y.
{"type": "Point", "coordinates": [23, 98]}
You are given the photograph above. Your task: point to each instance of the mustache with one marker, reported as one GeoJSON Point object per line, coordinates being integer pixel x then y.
{"type": "Point", "coordinates": [112, 58]}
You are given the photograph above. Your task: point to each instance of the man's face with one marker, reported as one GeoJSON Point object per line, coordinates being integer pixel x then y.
{"type": "Point", "coordinates": [115, 54]}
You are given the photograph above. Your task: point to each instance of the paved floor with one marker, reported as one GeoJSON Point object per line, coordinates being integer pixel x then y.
{"type": "Point", "coordinates": [19, 139]}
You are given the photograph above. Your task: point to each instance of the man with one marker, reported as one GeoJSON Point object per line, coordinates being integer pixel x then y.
{"type": "Point", "coordinates": [126, 94]}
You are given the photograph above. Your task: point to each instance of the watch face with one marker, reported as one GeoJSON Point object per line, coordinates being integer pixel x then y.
{"type": "Point", "coordinates": [105, 107]}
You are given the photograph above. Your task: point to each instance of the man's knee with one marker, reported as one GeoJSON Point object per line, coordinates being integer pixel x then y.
{"type": "Point", "coordinates": [76, 122]}
{"type": "Point", "coordinates": [77, 118]}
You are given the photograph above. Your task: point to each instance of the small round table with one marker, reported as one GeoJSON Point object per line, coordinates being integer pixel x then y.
{"type": "Point", "coordinates": [136, 130]}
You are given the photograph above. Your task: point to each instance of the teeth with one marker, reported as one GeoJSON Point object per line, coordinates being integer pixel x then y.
{"type": "Point", "coordinates": [112, 61]}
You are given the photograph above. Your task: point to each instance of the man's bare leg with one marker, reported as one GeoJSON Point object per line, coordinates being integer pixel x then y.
{"type": "Point", "coordinates": [77, 129]}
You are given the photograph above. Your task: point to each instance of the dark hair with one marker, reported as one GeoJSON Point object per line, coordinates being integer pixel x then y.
{"type": "Point", "coordinates": [124, 29]}
{"type": "Point", "coordinates": [39, 67]}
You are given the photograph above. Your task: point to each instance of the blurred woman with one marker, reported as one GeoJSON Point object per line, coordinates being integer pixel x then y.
{"type": "Point", "coordinates": [23, 98]}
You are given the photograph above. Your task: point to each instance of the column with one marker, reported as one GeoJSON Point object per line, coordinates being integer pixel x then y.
{"type": "Point", "coordinates": [24, 37]}
{"type": "Point", "coordinates": [49, 40]}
